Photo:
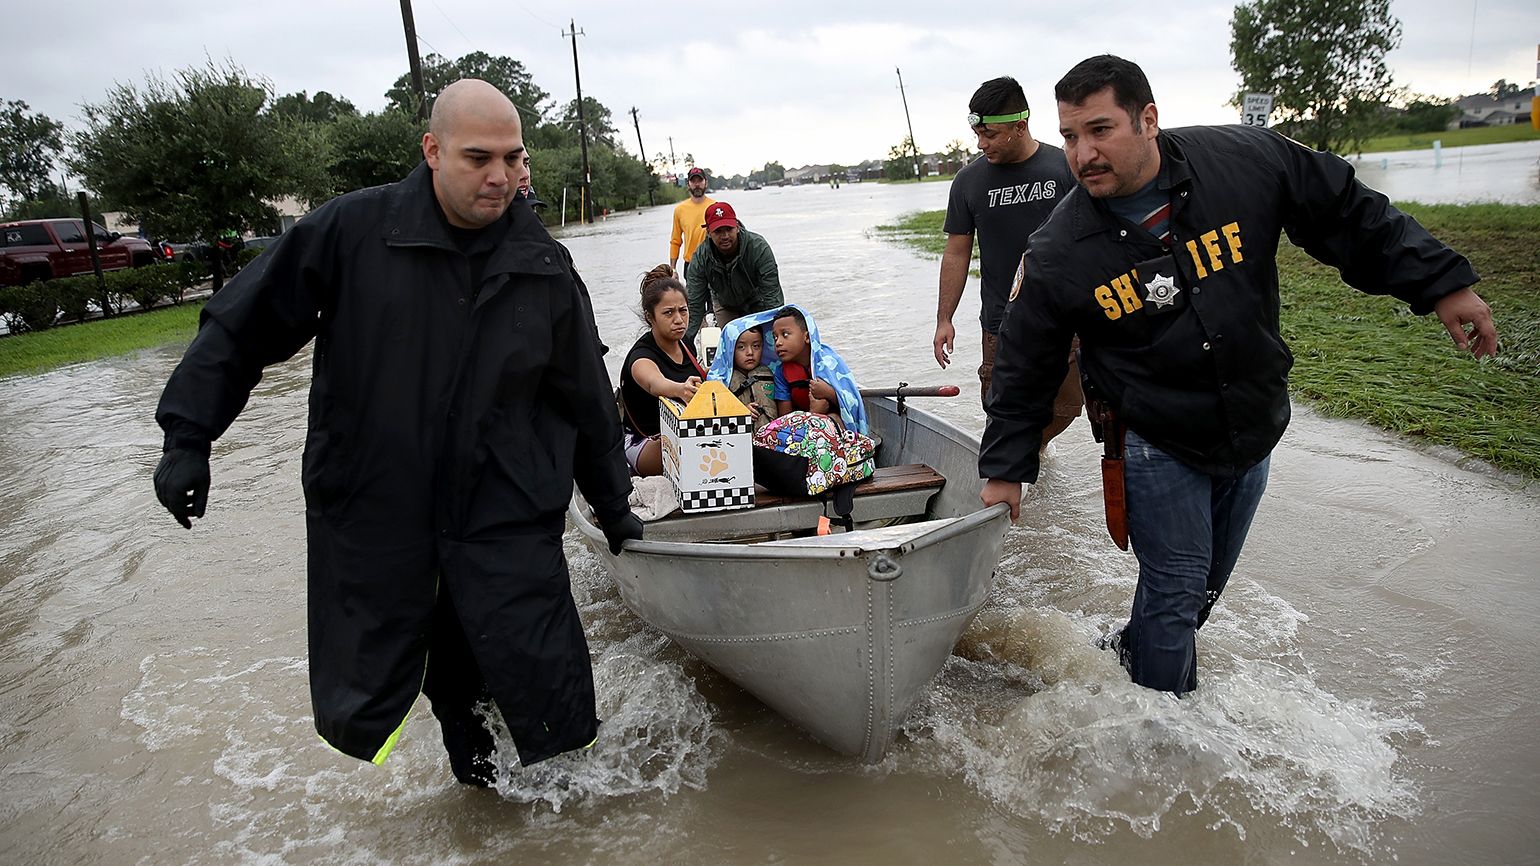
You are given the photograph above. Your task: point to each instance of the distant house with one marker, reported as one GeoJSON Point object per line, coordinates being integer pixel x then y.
{"type": "Point", "coordinates": [1482, 109]}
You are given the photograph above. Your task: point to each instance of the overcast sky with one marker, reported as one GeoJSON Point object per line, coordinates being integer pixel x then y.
{"type": "Point", "coordinates": [738, 84]}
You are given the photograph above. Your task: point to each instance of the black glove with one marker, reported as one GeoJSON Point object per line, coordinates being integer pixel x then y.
{"type": "Point", "coordinates": [620, 526]}
{"type": "Point", "coordinates": [182, 484]}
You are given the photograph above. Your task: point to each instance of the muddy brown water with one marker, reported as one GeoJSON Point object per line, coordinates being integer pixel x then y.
{"type": "Point", "coordinates": [1369, 694]}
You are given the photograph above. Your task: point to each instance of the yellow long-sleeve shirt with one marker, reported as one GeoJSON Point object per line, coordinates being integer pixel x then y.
{"type": "Point", "coordinates": [689, 227]}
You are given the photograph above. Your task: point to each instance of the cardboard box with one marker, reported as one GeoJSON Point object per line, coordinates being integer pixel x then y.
{"type": "Point", "coordinates": [708, 449]}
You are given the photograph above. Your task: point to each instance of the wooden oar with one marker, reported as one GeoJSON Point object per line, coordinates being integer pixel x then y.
{"type": "Point", "coordinates": [904, 389]}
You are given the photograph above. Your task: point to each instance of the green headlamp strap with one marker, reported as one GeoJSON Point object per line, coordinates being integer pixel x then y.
{"type": "Point", "coordinates": [978, 119]}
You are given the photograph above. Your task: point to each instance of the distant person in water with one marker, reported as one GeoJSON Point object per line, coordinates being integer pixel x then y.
{"type": "Point", "coordinates": [689, 226]}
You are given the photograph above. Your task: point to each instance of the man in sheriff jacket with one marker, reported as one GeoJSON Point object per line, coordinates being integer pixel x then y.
{"type": "Point", "coordinates": [1162, 260]}
{"type": "Point", "coordinates": [457, 393]}
{"type": "Point", "coordinates": [735, 269]}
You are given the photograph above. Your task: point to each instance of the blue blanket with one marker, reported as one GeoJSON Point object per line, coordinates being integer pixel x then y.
{"type": "Point", "coordinates": [827, 363]}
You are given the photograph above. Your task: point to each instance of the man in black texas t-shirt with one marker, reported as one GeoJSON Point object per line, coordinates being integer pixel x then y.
{"type": "Point", "coordinates": [1002, 197]}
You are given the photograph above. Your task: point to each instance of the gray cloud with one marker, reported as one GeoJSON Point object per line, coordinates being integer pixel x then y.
{"type": "Point", "coordinates": [798, 82]}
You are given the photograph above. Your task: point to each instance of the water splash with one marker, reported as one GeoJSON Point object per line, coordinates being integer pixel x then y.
{"type": "Point", "coordinates": [1049, 727]}
{"type": "Point", "coordinates": [657, 736]}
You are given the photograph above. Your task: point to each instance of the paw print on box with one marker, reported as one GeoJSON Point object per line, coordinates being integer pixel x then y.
{"type": "Point", "coordinates": [713, 462]}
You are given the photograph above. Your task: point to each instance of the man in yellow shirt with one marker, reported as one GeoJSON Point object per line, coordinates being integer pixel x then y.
{"type": "Point", "coordinates": [689, 220]}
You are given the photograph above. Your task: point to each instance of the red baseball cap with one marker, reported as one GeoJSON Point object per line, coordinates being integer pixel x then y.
{"type": "Point", "coordinates": [720, 214]}
{"type": "Point", "coordinates": [695, 172]}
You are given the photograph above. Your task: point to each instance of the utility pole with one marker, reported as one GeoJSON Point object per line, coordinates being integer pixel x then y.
{"type": "Point", "coordinates": [673, 166]}
{"type": "Point", "coordinates": [915, 151]}
{"type": "Point", "coordinates": [586, 204]}
{"type": "Point", "coordinates": [89, 226]}
{"type": "Point", "coordinates": [651, 181]}
{"type": "Point", "coordinates": [639, 148]}
{"type": "Point", "coordinates": [412, 59]}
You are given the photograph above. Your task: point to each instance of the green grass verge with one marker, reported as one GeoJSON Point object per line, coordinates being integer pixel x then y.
{"type": "Point", "coordinates": [1452, 138]}
{"type": "Point", "coordinates": [922, 232]}
{"type": "Point", "coordinates": [1367, 357]}
{"type": "Point", "coordinates": [25, 354]}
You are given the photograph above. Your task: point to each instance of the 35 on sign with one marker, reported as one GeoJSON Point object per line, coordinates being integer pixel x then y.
{"type": "Point", "coordinates": [1255, 107]}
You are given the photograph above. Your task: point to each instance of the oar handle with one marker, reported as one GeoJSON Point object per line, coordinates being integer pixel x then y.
{"type": "Point", "coordinates": [913, 391]}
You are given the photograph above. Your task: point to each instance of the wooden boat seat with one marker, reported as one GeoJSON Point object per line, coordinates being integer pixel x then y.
{"type": "Point", "coordinates": [893, 492]}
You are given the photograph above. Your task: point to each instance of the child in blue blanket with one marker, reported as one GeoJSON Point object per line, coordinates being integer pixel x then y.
{"type": "Point", "coordinates": [795, 385]}
{"type": "Point", "coordinates": [819, 361]}
{"type": "Point", "coordinates": [751, 381]}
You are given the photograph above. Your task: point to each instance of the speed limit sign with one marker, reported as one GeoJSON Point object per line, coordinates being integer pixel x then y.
{"type": "Point", "coordinates": [1255, 107]}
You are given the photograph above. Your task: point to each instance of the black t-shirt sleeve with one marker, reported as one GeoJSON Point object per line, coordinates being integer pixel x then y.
{"type": "Point", "coordinates": [959, 219]}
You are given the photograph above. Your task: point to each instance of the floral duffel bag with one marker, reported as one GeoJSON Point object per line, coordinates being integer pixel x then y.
{"type": "Point", "coordinates": [834, 455]}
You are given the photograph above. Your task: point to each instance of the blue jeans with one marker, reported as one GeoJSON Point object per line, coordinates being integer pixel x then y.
{"type": "Point", "coordinates": [1186, 528]}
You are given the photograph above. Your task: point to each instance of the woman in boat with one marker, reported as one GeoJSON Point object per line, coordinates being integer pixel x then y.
{"type": "Point", "coordinates": [658, 365]}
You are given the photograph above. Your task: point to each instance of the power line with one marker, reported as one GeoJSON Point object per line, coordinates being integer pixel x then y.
{"type": "Point", "coordinates": [454, 25]}
{"type": "Point", "coordinates": [537, 17]}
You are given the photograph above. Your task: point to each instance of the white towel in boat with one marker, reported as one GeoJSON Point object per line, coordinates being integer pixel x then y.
{"type": "Point", "coordinates": [653, 497]}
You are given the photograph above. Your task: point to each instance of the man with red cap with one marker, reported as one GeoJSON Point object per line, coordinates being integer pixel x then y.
{"type": "Point", "coordinates": [736, 271]}
{"type": "Point", "coordinates": [689, 220]}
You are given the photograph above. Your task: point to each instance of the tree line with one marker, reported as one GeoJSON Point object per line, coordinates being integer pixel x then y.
{"type": "Point", "coordinates": [209, 148]}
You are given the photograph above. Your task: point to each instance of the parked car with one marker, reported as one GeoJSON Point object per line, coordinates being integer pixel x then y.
{"type": "Point", "coordinates": [201, 251]}
{"type": "Point", "coordinates": [43, 249]}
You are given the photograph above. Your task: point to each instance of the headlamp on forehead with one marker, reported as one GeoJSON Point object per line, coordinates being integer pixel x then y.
{"type": "Point", "coordinates": [981, 119]}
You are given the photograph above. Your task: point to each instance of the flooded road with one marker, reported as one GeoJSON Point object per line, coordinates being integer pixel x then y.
{"type": "Point", "coordinates": [1508, 173]}
{"type": "Point", "coordinates": [1369, 695]}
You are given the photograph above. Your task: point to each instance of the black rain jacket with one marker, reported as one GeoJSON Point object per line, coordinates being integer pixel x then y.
{"type": "Point", "coordinates": [443, 416]}
{"type": "Point", "coordinates": [1202, 372]}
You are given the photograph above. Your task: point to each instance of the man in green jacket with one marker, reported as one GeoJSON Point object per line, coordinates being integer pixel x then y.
{"type": "Point", "coordinates": [736, 271]}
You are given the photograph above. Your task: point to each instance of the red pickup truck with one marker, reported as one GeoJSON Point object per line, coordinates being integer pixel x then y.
{"type": "Point", "coordinates": [42, 249]}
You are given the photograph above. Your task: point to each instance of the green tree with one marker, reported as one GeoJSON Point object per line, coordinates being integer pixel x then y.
{"type": "Point", "coordinates": [772, 172]}
{"type": "Point", "coordinates": [900, 162]}
{"type": "Point", "coordinates": [1425, 114]}
{"type": "Point", "coordinates": [372, 149]}
{"type": "Point", "coordinates": [321, 108]}
{"type": "Point", "coordinates": [52, 203]}
{"type": "Point", "coordinates": [29, 144]}
{"type": "Point", "coordinates": [504, 73]}
{"type": "Point", "coordinates": [1501, 89]}
{"type": "Point", "coordinates": [1323, 61]}
{"type": "Point", "coordinates": [954, 156]}
{"type": "Point", "coordinates": [596, 118]}
{"type": "Point", "coordinates": [197, 155]}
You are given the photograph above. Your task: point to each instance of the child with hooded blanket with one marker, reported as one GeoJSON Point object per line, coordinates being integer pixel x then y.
{"type": "Point", "coordinates": [824, 363]}
{"type": "Point", "coordinates": [828, 455]}
{"type": "Point", "coordinates": [753, 381]}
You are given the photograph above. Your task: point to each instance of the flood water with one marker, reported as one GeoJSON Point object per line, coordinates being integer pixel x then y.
{"type": "Point", "coordinates": [1508, 173]}
{"type": "Point", "coordinates": [1369, 688]}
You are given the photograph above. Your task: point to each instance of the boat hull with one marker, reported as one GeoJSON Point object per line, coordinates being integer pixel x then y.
{"type": "Point", "coordinates": [840, 634]}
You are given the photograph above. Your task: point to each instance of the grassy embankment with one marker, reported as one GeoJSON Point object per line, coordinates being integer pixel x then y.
{"type": "Point", "coordinates": [1452, 138]}
{"type": "Point", "coordinates": [23, 354]}
{"type": "Point", "coordinates": [1367, 357]}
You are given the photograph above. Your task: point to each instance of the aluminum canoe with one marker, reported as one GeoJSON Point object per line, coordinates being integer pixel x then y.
{"type": "Point", "coordinates": [840, 633]}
